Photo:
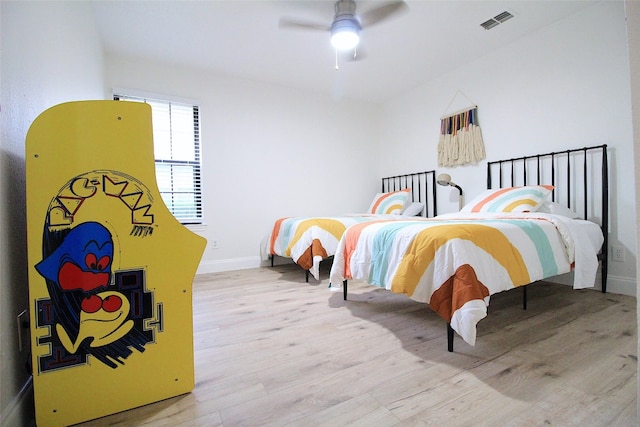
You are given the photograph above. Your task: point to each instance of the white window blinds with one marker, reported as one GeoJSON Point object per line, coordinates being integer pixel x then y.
{"type": "Point", "coordinates": [176, 141]}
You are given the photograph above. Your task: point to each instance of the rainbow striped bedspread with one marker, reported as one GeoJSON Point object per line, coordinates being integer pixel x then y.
{"type": "Point", "coordinates": [309, 240]}
{"type": "Point", "coordinates": [454, 263]}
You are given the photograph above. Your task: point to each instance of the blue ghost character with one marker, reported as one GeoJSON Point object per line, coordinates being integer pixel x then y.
{"type": "Point", "coordinates": [82, 261]}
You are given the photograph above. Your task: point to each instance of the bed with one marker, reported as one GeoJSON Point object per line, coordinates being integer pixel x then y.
{"type": "Point", "coordinates": [308, 241]}
{"type": "Point", "coordinates": [541, 216]}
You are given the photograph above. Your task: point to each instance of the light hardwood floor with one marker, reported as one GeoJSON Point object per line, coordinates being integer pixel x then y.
{"type": "Point", "coordinates": [271, 349]}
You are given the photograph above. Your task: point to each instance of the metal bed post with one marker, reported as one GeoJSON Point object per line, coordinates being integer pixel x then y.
{"type": "Point", "coordinates": [584, 180]}
{"type": "Point", "coordinates": [605, 218]}
{"type": "Point", "coordinates": [450, 337]}
{"type": "Point", "coordinates": [569, 180]}
{"type": "Point", "coordinates": [553, 176]}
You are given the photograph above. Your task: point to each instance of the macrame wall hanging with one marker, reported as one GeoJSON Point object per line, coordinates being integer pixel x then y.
{"type": "Point", "coordinates": [460, 137]}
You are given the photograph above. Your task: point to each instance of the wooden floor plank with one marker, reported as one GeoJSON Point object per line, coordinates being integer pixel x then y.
{"type": "Point", "coordinates": [271, 349]}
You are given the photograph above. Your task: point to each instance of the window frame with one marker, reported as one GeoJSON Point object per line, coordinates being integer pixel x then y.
{"type": "Point", "coordinates": [198, 204]}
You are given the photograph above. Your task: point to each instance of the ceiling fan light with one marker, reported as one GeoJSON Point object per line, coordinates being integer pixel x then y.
{"type": "Point", "coordinates": [344, 35]}
{"type": "Point", "coordinates": [345, 40]}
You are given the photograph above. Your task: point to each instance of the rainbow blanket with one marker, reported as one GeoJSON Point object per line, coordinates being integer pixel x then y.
{"type": "Point", "coordinates": [455, 263]}
{"type": "Point", "coordinates": [309, 240]}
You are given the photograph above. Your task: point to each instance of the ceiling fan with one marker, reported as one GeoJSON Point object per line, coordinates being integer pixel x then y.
{"type": "Point", "coordinates": [346, 26]}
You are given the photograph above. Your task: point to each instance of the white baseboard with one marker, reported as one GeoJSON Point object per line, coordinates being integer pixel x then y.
{"type": "Point", "coordinates": [622, 285]}
{"type": "Point", "coordinates": [20, 412]}
{"type": "Point", "coordinates": [615, 284]}
{"type": "Point", "coordinates": [238, 264]}
{"type": "Point", "coordinates": [228, 265]}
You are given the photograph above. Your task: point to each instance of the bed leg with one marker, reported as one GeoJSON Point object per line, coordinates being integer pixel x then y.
{"type": "Point", "coordinates": [272, 257]}
{"type": "Point", "coordinates": [603, 271]}
{"type": "Point", "coordinates": [449, 338]}
{"type": "Point", "coordinates": [306, 276]}
{"type": "Point", "coordinates": [344, 290]}
{"type": "Point", "coordinates": [524, 297]}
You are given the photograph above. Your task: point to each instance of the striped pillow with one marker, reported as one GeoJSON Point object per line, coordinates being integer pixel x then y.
{"type": "Point", "coordinates": [389, 203]}
{"type": "Point", "coordinates": [512, 199]}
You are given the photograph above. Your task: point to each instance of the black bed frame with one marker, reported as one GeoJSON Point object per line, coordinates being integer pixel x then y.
{"type": "Point", "coordinates": [423, 190]}
{"type": "Point", "coordinates": [564, 170]}
{"type": "Point", "coordinates": [426, 184]}
{"type": "Point", "coordinates": [422, 185]}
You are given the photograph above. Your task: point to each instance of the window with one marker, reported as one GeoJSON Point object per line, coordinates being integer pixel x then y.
{"type": "Point", "coordinates": [176, 141]}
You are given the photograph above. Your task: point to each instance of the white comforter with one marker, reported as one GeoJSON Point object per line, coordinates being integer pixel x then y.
{"type": "Point", "coordinates": [455, 262]}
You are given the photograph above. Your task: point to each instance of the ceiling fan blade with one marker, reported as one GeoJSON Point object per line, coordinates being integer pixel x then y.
{"type": "Point", "coordinates": [374, 16]}
{"type": "Point", "coordinates": [302, 25]}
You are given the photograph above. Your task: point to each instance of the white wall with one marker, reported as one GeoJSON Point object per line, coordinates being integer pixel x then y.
{"type": "Point", "coordinates": [266, 148]}
{"type": "Point", "coordinates": [565, 86]}
{"type": "Point", "coordinates": [633, 33]}
{"type": "Point", "coordinates": [50, 54]}
{"type": "Point", "coordinates": [268, 152]}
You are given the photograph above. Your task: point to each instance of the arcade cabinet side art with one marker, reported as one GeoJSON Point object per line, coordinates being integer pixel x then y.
{"type": "Point", "coordinates": [110, 268]}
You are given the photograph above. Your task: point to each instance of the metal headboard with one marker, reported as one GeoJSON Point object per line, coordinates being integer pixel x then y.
{"type": "Point", "coordinates": [562, 169]}
{"type": "Point", "coordinates": [423, 189]}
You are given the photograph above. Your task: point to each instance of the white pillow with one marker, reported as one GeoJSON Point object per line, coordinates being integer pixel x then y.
{"type": "Point", "coordinates": [414, 209]}
{"type": "Point", "coordinates": [557, 209]}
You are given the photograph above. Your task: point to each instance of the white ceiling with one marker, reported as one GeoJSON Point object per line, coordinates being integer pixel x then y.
{"type": "Point", "coordinates": [242, 38]}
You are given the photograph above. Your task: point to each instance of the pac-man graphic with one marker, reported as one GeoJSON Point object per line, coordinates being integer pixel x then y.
{"type": "Point", "coordinates": [90, 316]}
{"type": "Point", "coordinates": [103, 319]}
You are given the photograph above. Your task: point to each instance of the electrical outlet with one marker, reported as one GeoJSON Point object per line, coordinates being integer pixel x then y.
{"type": "Point", "coordinates": [617, 253]}
{"type": "Point", "coordinates": [214, 244]}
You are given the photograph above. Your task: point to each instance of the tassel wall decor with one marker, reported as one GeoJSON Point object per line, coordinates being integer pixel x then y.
{"type": "Point", "coordinates": [460, 139]}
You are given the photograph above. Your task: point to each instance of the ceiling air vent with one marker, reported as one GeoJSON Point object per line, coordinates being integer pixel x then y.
{"type": "Point", "coordinates": [496, 20]}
